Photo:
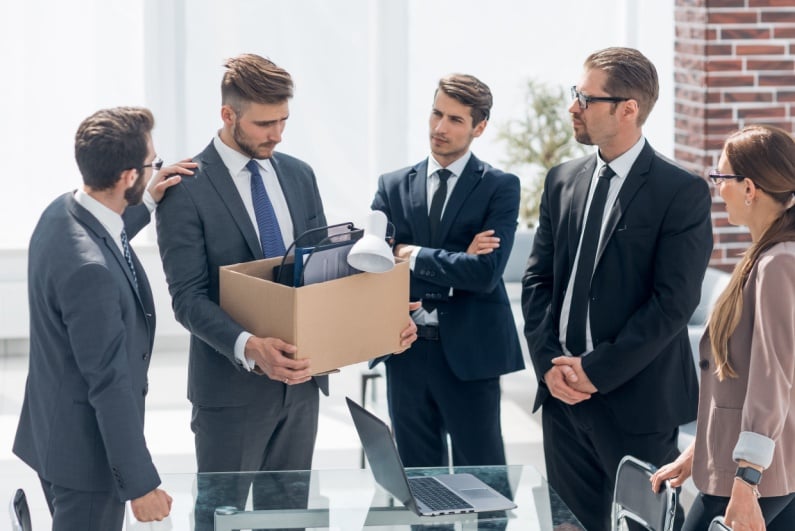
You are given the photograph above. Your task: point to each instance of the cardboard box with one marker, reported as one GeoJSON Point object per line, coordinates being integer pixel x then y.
{"type": "Point", "coordinates": [334, 323]}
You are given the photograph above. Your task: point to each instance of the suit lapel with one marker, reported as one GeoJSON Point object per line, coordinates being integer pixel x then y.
{"type": "Point", "coordinates": [218, 175]}
{"type": "Point", "coordinates": [634, 181]}
{"type": "Point", "coordinates": [581, 183]}
{"type": "Point", "coordinates": [418, 202]}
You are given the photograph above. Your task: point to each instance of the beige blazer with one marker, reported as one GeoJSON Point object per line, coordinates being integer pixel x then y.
{"type": "Point", "coordinates": [762, 398]}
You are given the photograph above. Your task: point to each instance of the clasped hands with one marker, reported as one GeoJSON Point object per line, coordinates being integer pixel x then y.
{"type": "Point", "coordinates": [567, 381]}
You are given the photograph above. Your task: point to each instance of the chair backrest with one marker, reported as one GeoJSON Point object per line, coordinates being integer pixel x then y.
{"type": "Point", "coordinates": [718, 524]}
{"type": "Point", "coordinates": [633, 498]}
{"type": "Point", "coordinates": [20, 513]}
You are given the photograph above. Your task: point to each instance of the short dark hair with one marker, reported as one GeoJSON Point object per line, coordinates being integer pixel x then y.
{"type": "Point", "coordinates": [470, 91]}
{"type": "Point", "coordinates": [250, 78]}
{"type": "Point", "coordinates": [630, 74]}
{"type": "Point", "coordinates": [111, 141]}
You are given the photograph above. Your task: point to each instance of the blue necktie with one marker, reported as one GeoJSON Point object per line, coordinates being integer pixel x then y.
{"type": "Point", "coordinates": [581, 291]}
{"type": "Point", "coordinates": [125, 245]}
{"type": "Point", "coordinates": [270, 235]}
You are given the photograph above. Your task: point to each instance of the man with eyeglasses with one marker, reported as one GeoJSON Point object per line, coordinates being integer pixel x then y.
{"type": "Point", "coordinates": [92, 326]}
{"type": "Point", "coordinates": [622, 244]}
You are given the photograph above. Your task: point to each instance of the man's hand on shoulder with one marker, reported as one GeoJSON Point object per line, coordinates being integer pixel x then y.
{"type": "Point", "coordinates": [270, 356]}
{"type": "Point", "coordinates": [152, 506]}
{"type": "Point", "coordinates": [168, 176]}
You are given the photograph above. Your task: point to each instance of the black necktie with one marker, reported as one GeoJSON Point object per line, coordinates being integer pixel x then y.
{"type": "Point", "coordinates": [580, 296]}
{"type": "Point", "coordinates": [435, 216]}
{"type": "Point", "coordinates": [437, 203]}
{"type": "Point", "coordinates": [270, 235]}
{"type": "Point", "coordinates": [125, 245]}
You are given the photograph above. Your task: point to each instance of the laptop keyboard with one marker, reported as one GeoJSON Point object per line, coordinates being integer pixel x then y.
{"type": "Point", "coordinates": [435, 495]}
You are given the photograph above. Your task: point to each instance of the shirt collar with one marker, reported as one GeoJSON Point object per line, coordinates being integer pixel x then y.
{"type": "Point", "coordinates": [109, 219]}
{"type": "Point", "coordinates": [457, 167]}
{"type": "Point", "coordinates": [234, 160]}
{"type": "Point", "coordinates": [623, 163]}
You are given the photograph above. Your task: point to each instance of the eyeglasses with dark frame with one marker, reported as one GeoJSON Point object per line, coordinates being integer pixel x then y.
{"type": "Point", "coordinates": [717, 177]}
{"type": "Point", "coordinates": [155, 164]}
{"type": "Point", "coordinates": [584, 100]}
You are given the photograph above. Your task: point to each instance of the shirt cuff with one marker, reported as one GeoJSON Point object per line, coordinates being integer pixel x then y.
{"type": "Point", "coordinates": [240, 351]}
{"type": "Point", "coordinates": [754, 448]}
{"type": "Point", "coordinates": [413, 257]}
{"type": "Point", "coordinates": [149, 201]}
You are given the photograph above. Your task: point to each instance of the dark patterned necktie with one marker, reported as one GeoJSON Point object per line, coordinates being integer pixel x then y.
{"type": "Point", "coordinates": [435, 216]}
{"type": "Point", "coordinates": [270, 235]}
{"type": "Point", "coordinates": [580, 296]}
{"type": "Point", "coordinates": [125, 245]}
{"type": "Point", "coordinates": [437, 203]}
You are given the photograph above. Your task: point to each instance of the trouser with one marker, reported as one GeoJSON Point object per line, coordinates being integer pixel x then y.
{"type": "Point", "coordinates": [779, 512]}
{"type": "Point", "coordinates": [77, 510]}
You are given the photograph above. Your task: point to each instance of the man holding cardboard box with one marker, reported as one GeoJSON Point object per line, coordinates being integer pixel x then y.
{"type": "Point", "coordinates": [455, 219]}
{"type": "Point", "coordinates": [254, 407]}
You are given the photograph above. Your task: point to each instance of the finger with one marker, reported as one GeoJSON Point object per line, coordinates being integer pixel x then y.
{"type": "Point", "coordinates": [415, 305]}
{"type": "Point", "coordinates": [569, 374]}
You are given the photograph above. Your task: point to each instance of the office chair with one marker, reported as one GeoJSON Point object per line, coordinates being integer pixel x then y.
{"type": "Point", "coordinates": [20, 513]}
{"type": "Point", "coordinates": [718, 524]}
{"type": "Point", "coordinates": [633, 498]}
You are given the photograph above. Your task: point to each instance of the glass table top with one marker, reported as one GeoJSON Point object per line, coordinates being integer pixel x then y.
{"type": "Point", "coordinates": [347, 500]}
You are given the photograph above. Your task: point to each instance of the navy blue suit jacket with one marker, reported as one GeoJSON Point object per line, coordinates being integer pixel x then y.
{"type": "Point", "coordinates": [202, 224]}
{"type": "Point", "coordinates": [91, 337]}
{"type": "Point", "coordinates": [646, 285]}
{"type": "Point", "coordinates": [476, 326]}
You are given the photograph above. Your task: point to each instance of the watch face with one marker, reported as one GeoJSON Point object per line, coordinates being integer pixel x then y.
{"type": "Point", "coordinates": [749, 475]}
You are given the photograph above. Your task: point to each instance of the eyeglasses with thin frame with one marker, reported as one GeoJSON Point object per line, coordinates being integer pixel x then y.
{"type": "Point", "coordinates": [717, 177]}
{"type": "Point", "coordinates": [155, 164]}
{"type": "Point", "coordinates": [583, 100]}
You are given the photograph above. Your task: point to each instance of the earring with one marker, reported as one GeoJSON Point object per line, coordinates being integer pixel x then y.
{"type": "Point", "coordinates": [747, 202]}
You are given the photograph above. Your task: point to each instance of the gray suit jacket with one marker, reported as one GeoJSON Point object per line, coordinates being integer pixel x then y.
{"type": "Point", "coordinates": [91, 336]}
{"type": "Point", "coordinates": [202, 225]}
{"type": "Point", "coordinates": [761, 399]}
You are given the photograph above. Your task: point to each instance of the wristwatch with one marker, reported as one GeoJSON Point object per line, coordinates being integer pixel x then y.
{"type": "Point", "coordinates": [749, 475]}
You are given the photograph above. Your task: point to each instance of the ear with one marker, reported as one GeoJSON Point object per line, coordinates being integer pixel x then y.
{"type": "Point", "coordinates": [128, 178]}
{"type": "Point", "coordinates": [750, 189]}
{"type": "Point", "coordinates": [478, 130]}
{"type": "Point", "coordinates": [630, 110]}
{"type": "Point", "coordinates": [228, 114]}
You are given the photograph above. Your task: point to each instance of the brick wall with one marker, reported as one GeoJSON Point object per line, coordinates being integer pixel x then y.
{"type": "Point", "coordinates": [734, 64]}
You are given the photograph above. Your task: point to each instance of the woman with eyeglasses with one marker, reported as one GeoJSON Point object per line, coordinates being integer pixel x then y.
{"type": "Point", "coordinates": [743, 457]}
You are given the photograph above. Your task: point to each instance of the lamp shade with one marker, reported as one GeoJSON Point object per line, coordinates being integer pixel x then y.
{"type": "Point", "coordinates": [371, 253]}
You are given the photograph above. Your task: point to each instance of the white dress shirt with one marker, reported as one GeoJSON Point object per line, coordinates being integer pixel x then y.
{"type": "Point", "coordinates": [109, 219]}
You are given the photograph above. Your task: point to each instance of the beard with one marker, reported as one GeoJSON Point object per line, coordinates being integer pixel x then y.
{"type": "Point", "coordinates": [135, 194]}
{"type": "Point", "coordinates": [248, 148]}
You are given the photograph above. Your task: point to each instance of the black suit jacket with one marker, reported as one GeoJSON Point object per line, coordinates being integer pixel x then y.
{"type": "Point", "coordinates": [202, 225]}
{"type": "Point", "coordinates": [91, 337]}
{"type": "Point", "coordinates": [476, 326]}
{"type": "Point", "coordinates": [646, 284]}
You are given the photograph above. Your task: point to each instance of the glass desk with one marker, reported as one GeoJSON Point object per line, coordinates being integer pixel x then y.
{"type": "Point", "coordinates": [349, 500]}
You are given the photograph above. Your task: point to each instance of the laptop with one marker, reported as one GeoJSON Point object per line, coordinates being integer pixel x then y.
{"type": "Point", "coordinates": [426, 495]}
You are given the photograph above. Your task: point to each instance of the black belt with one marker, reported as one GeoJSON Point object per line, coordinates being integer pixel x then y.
{"type": "Point", "coordinates": [430, 333]}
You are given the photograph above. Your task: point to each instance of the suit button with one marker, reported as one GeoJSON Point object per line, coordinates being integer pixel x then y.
{"type": "Point", "coordinates": [145, 390]}
{"type": "Point", "coordinates": [703, 364]}
{"type": "Point", "coordinates": [146, 355]}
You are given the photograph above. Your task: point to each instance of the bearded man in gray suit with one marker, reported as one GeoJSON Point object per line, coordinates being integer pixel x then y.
{"type": "Point", "coordinates": [92, 325]}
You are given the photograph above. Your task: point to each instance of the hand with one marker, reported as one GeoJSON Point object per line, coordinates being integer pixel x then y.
{"type": "Point", "coordinates": [409, 334]}
{"type": "Point", "coordinates": [167, 177]}
{"type": "Point", "coordinates": [677, 471]}
{"type": "Point", "coordinates": [743, 512]}
{"type": "Point", "coordinates": [403, 250]}
{"type": "Point", "coordinates": [483, 243]}
{"type": "Point", "coordinates": [154, 505]}
{"type": "Point", "coordinates": [269, 354]}
{"type": "Point", "coordinates": [574, 375]}
{"type": "Point", "coordinates": [558, 387]}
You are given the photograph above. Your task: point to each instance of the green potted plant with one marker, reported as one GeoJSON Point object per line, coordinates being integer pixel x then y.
{"type": "Point", "coordinates": [537, 141]}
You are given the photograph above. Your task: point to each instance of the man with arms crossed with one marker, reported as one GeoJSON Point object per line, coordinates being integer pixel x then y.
{"type": "Point", "coordinates": [455, 218]}
{"type": "Point", "coordinates": [92, 327]}
{"type": "Point", "coordinates": [623, 240]}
